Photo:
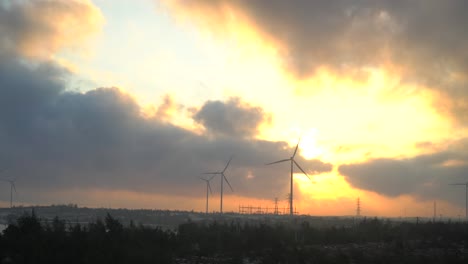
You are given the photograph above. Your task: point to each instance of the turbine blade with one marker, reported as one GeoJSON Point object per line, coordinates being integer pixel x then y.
{"type": "Point", "coordinates": [227, 182]}
{"type": "Point", "coordinates": [209, 187]}
{"type": "Point", "coordinates": [211, 178]}
{"type": "Point", "coordinates": [212, 173]}
{"type": "Point", "coordinates": [14, 187]}
{"type": "Point", "coordinates": [203, 179]}
{"type": "Point", "coordinates": [301, 169]}
{"type": "Point", "coordinates": [227, 164]}
{"type": "Point", "coordinates": [458, 183]}
{"type": "Point", "coordinates": [283, 160]}
{"type": "Point", "coordinates": [297, 146]}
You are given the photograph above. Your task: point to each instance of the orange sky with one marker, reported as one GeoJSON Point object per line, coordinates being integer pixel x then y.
{"type": "Point", "coordinates": [354, 84]}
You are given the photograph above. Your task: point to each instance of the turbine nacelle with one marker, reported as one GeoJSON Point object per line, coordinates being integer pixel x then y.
{"type": "Point", "coordinates": [208, 182]}
{"type": "Point", "coordinates": [223, 176]}
{"type": "Point", "coordinates": [12, 183]}
{"type": "Point", "coordinates": [293, 162]}
{"type": "Point", "coordinates": [208, 189]}
{"type": "Point", "coordinates": [12, 188]}
{"type": "Point", "coordinates": [223, 179]}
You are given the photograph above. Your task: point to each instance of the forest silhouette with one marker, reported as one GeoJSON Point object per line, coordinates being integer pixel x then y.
{"type": "Point", "coordinates": [30, 240]}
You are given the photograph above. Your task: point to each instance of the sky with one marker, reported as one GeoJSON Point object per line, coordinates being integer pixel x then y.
{"type": "Point", "coordinates": [128, 103]}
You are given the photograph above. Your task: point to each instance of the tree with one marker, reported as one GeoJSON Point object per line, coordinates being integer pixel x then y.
{"type": "Point", "coordinates": [113, 225]}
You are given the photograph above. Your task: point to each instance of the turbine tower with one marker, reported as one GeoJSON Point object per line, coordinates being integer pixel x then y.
{"type": "Point", "coordinates": [208, 189]}
{"type": "Point", "coordinates": [466, 194]}
{"type": "Point", "coordinates": [12, 188]}
{"type": "Point", "coordinates": [293, 162]}
{"type": "Point", "coordinates": [223, 178]}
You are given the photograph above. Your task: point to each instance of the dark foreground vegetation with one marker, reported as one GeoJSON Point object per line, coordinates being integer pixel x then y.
{"type": "Point", "coordinates": [28, 240]}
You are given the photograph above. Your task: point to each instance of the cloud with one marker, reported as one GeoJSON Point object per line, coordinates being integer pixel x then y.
{"type": "Point", "coordinates": [426, 176]}
{"type": "Point", "coordinates": [340, 33]}
{"type": "Point", "coordinates": [424, 41]}
{"type": "Point", "coordinates": [232, 118]}
{"type": "Point", "coordinates": [167, 108]}
{"type": "Point", "coordinates": [54, 139]}
{"type": "Point", "coordinates": [40, 28]}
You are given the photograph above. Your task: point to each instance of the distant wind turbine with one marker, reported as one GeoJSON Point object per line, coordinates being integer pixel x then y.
{"type": "Point", "coordinates": [291, 159]}
{"type": "Point", "coordinates": [466, 194]}
{"type": "Point", "coordinates": [12, 188]}
{"type": "Point", "coordinates": [208, 189]}
{"type": "Point", "coordinates": [223, 178]}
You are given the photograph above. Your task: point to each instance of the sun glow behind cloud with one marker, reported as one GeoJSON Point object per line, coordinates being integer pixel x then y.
{"type": "Point", "coordinates": [247, 65]}
{"type": "Point", "coordinates": [176, 58]}
{"type": "Point", "coordinates": [348, 116]}
{"type": "Point", "coordinates": [366, 115]}
{"type": "Point", "coordinates": [330, 194]}
{"type": "Point", "coordinates": [372, 111]}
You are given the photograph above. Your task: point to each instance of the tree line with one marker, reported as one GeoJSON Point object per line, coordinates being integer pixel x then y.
{"type": "Point", "coordinates": [29, 240]}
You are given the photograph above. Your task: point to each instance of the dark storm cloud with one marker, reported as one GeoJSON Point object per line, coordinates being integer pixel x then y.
{"type": "Point", "coordinates": [52, 139]}
{"type": "Point", "coordinates": [55, 139]}
{"type": "Point", "coordinates": [425, 176]}
{"type": "Point", "coordinates": [232, 118]}
{"type": "Point", "coordinates": [426, 40]}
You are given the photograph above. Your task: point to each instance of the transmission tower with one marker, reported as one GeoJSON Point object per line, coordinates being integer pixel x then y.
{"type": "Point", "coordinates": [276, 206]}
{"type": "Point", "coordinates": [358, 207]}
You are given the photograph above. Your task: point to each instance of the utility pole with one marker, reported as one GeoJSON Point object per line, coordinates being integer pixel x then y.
{"type": "Point", "coordinates": [276, 206]}
{"type": "Point", "coordinates": [358, 207]}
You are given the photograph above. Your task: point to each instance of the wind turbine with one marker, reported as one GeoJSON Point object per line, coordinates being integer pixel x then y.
{"type": "Point", "coordinates": [466, 194]}
{"type": "Point", "coordinates": [293, 162]}
{"type": "Point", "coordinates": [12, 187]}
{"type": "Point", "coordinates": [223, 178]}
{"type": "Point", "coordinates": [208, 188]}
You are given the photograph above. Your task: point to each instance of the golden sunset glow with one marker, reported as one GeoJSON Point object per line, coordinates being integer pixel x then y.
{"type": "Point", "coordinates": [132, 102]}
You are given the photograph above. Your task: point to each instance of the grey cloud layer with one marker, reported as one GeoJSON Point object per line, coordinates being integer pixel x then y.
{"type": "Point", "coordinates": [426, 40]}
{"type": "Point", "coordinates": [38, 28]}
{"type": "Point", "coordinates": [56, 139]}
{"type": "Point", "coordinates": [426, 176]}
{"type": "Point", "coordinates": [231, 118]}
